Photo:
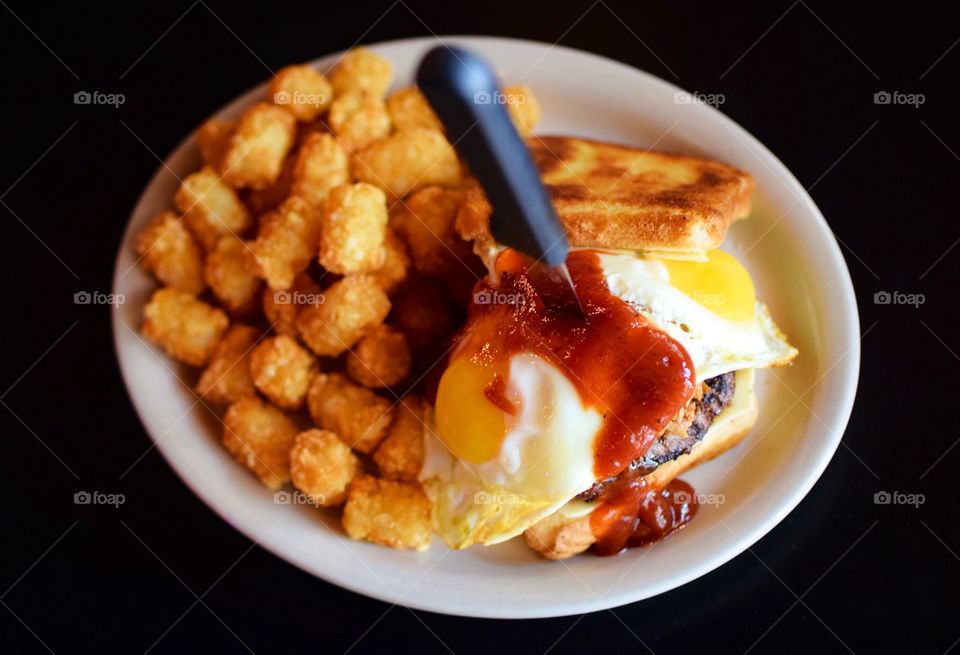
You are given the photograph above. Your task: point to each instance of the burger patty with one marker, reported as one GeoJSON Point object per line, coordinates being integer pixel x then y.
{"type": "Point", "coordinates": [680, 436]}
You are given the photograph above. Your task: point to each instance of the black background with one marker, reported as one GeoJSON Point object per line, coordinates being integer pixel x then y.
{"type": "Point", "coordinates": [840, 573]}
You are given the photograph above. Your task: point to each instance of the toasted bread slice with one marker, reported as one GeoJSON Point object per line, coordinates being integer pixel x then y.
{"type": "Point", "coordinates": [567, 532]}
{"type": "Point", "coordinates": [610, 196]}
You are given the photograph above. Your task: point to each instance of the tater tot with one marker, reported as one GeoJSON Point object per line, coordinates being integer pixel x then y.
{"type": "Point", "coordinates": [260, 436]}
{"type": "Point", "coordinates": [187, 328]}
{"type": "Point", "coordinates": [286, 242]}
{"type": "Point", "coordinates": [473, 217]}
{"type": "Point", "coordinates": [257, 148]}
{"type": "Point", "coordinates": [282, 371]}
{"type": "Point", "coordinates": [523, 107]}
{"type": "Point", "coordinates": [359, 416]}
{"type": "Point", "coordinates": [353, 230]}
{"type": "Point", "coordinates": [301, 90]}
{"type": "Point", "coordinates": [322, 163]}
{"type": "Point", "coordinates": [389, 513]}
{"type": "Point", "coordinates": [409, 109]}
{"type": "Point", "coordinates": [168, 250]}
{"type": "Point", "coordinates": [408, 160]}
{"type": "Point", "coordinates": [380, 359]}
{"type": "Point", "coordinates": [421, 310]}
{"type": "Point", "coordinates": [230, 273]}
{"type": "Point", "coordinates": [322, 466]}
{"type": "Point", "coordinates": [348, 310]}
{"type": "Point", "coordinates": [282, 307]}
{"type": "Point", "coordinates": [227, 377]}
{"type": "Point", "coordinates": [261, 201]}
{"type": "Point", "coordinates": [396, 261]}
{"type": "Point", "coordinates": [361, 69]}
{"type": "Point", "coordinates": [400, 454]}
{"type": "Point", "coordinates": [210, 208]}
{"type": "Point", "coordinates": [425, 221]}
{"type": "Point", "coordinates": [213, 137]}
{"type": "Point", "coordinates": [305, 130]}
{"type": "Point", "coordinates": [358, 119]}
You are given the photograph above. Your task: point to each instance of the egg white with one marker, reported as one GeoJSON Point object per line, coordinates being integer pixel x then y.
{"type": "Point", "coordinates": [546, 458]}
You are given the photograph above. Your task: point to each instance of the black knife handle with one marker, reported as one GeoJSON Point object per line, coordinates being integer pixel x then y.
{"type": "Point", "coordinates": [463, 91]}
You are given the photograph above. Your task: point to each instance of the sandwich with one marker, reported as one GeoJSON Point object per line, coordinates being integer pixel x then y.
{"type": "Point", "coordinates": [567, 414]}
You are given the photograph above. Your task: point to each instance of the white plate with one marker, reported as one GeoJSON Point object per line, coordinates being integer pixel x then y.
{"type": "Point", "coordinates": [798, 270]}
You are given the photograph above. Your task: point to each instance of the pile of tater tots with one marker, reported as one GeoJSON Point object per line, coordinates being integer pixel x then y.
{"type": "Point", "coordinates": [312, 273]}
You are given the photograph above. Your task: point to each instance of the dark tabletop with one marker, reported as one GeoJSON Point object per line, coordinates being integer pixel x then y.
{"type": "Point", "coordinates": [163, 573]}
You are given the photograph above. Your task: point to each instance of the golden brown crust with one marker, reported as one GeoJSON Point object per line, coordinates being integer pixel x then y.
{"type": "Point", "coordinates": [611, 196]}
{"type": "Point", "coordinates": [558, 537]}
{"type": "Point", "coordinates": [387, 512]}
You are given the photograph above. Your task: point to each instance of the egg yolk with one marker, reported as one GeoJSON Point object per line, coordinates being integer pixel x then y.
{"type": "Point", "coordinates": [470, 425]}
{"type": "Point", "coordinates": [721, 284]}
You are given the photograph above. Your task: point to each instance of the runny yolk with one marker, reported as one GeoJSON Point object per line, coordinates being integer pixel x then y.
{"type": "Point", "coordinates": [468, 421]}
{"type": "Point", "coordinates": [721, 284]}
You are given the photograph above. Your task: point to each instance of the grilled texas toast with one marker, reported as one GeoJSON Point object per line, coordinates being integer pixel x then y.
{"type": "Point", "coordinates": [610, 196]}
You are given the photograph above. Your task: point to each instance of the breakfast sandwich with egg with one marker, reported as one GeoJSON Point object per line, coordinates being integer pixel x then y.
{"type": "Point", "coordinates": [567, 417]}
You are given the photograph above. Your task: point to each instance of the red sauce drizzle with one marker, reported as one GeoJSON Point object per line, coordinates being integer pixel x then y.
{"type": "Point", "coordinates": [496, 393]}
{"type": "Point", "coordinates": [634, 375]}
{"type": "Point", "coordinates": [636, 515]}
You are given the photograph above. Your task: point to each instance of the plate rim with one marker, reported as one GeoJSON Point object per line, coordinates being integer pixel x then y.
{"type": "Point", "coordinates": [850, 330]}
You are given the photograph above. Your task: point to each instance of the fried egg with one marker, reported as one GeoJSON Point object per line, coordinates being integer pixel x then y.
{"type": "Point", "coordinates": [709, 307]}
{"type": "Point", "coordinates": [496, 464]}
{"type": "Point", "coordinates": [490, 474]}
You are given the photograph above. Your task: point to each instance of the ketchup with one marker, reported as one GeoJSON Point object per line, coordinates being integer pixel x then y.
{"type": "Point", "coordinates": [496, 393]}
{"type": "Point", "coordinates": [637, 515]}
{"type": "Point", "coordinates": [635, 376]}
